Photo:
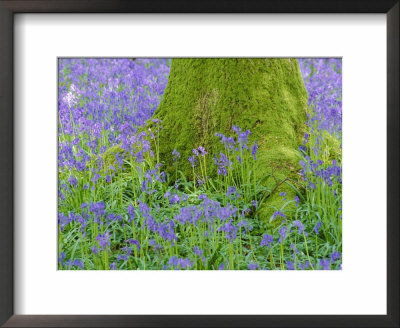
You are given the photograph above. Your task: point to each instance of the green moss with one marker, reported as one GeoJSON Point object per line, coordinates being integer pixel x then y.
{"type": "Point", "coordinates": [330, 147]}
{"type": "Point", "coordinates": [209, 95]}
{"type": "Point", "coordinates": [109, 156]}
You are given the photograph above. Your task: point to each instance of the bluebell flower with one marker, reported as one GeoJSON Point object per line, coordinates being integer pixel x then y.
{"type": "Point", "coordinates": [175, 199]}
{"type": "Point", "coordinates": [61, 258]}
{"type": "Point", "coordinates": [254, 150]}
{"type": "Point", "coordinates": [104, 240]}
{"type": "Point", "coordinates": [95, 250]}
{"type": "Point", "coordinates": [176, 155]}
{"type": "Point", "coordinates": [267, 240]}
{"type": "Point", "coordinates": [122, 257]}
{"type": "Point", "coordinates": [299, 225]}
{"type": "Point", "coordinates": [282, 233]}
{"type": "Point", "coordinates": [253, 266]}
{"type": "Point", "coordinates": [278, 213]}
{"type": "Point", "coordinates": [326, 264]}
{"type": "Point", "coordinates": [316, 228]}
{"type": "Point", "coordinates": [72, 180]}
{"type": "Point", "coordinates": [202, 151]}
{"type": "Point", "coordinates": [335, 256]}
{"type": "Point", "coordinates": [232, 190]}
{"type": "Point", "coordinates": [192, 161]}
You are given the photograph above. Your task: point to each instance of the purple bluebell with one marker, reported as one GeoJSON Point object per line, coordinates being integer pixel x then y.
{"type": "Point", "coordinates": [290, 265]}
{"type": "Point", "coordinates": [192, 161]}
{"type": "Point", "coordinates": [299, 225]}
{"type": "Point", "coordinates": [267, 240]}
{"type": "Point", "coordinates": [282, 234]}
{"type": "Point", "coordinates": [325, 263]}
{"type": "Point", "coordinates": [317, 227]}
{"type": "Point", "coordinates": [335, 256]}
{"type": "Point", "coordinates": [202, 151]}
{"type": "Point", "coordinates": [253, 266]}
{"type": "Point", "coordinates": [254, 150]}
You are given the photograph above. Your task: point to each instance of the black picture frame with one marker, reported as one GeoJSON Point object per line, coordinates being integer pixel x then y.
{"type": "Point", "coordinates": [10, 7]}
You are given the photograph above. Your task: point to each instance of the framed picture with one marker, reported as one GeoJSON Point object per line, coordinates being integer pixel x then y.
{"type": "Point", "coordinates": [182, 165]}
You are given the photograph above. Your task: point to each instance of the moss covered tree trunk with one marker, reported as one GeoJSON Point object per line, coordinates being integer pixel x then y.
{"type": "Point", "coordinates": [209, 95]}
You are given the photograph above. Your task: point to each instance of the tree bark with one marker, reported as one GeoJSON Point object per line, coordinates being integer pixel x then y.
{"type": "Point", "coordinates": [209, 95]}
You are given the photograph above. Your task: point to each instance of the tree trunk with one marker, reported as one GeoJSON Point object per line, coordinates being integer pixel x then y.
{"type": "Point", "coordinates": [209, 95]}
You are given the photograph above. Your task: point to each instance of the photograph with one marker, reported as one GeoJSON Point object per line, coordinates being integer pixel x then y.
{"type": "Point", "coordinates": [199, 163]}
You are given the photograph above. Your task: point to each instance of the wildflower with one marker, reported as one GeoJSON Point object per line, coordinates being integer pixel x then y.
{"type": "Point", "coordinates": [196, 152]}
{"type": "Point", "coordinates": [267, 240]}
{"type": "Point", "coordinates": [223, 163]}
{"type": "Point", "coordinates": [253, 266]}
{"type": "Point", "coordinates": [297, 200]}
{"type": "Point", "coordinates": [303, 149]}
{"type": "Point", "coordinates": [176, 262]}
{"type": "Point", "coordinates": [192, 161]}
{"type": "Point", "coordinates": [199, 252]}
{"type": "Point", "coordinates": [316, 228]}
{"type": "Point", "coordinates": [122, 257]}
{"type": "Point", "coordinates": [326, 264]}
{"type": "Point", "coordinates": [335, 256]}
{"type": "Point", "coordinates": [242, 139]}
{"type": "Point", "coordinates": [290, 265]}
{"type": "Point", "coordinates": [304, 266]}
{"type": "Point", "coordinates": [131, 212]}
{"type": "Point", "coordinates": [108, 179]}
{"type": "Point", "coordinates": [73, 181]}
{"type": "Point", "coordinates": [254, 150]}
{"type": "Point", "coordinates": [221, 266]}
{"type": "Point", "coordinates": [61, 258]}
{"type": "Point", "coordinates": [282, 233]}
{"type": "Point", "coordinates": [292, 246]}
{"type": "Point", "coordinates": [236, 129]}
{"type": "Point", "coordinates": [232, 190]}
{"type": "Point", "coordinates": [95, 250]}
{"type": "Point", "coordinates": [113, 266]}
{"type": "Point", "coordinates": [230, 230]}
{"type": "Point", "coordinates": [229, 143]}
{"type": "Point", "coordinates": [282, 194]}
{"type": "Point", "coordinates": [299, 225]}
{"type": "Point", "coordinates": [176, 155]}
{"type": "Point", "coordinates": [175, 199]}
{"type": "Point", "coordinates": [254, 202]}
{"type": "Point", "coordinates": [278, 213]}
{"type": "Point", "coordinates": [202, 151]}
{"type": "Point", "coordinates": [135, 242]}
{"type": "Point", "coordinates": [311, 185]}
{"type": "Point", "coordinates": [77, 263]}
{"type": "Point", "coordinates": [104, 240]}
{"type": "Point", "coordinates": [95, 178]}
